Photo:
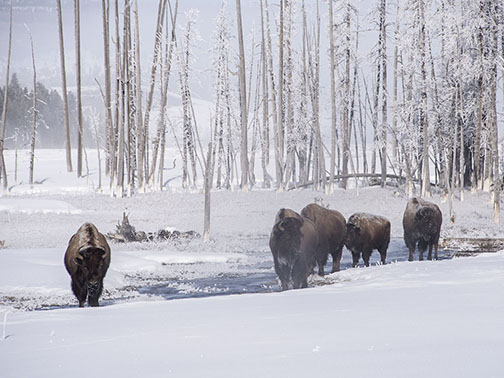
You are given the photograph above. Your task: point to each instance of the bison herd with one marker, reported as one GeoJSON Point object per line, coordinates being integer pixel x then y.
{"type": "Point", "coordinates": [299, 242]}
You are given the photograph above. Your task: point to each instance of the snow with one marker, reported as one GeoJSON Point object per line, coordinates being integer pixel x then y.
{"type": "Point", "coordinates": [163, 312]}
{"type": "Point", "coordinates": [418, 319]}
{"type": "Point", "coordinates": [30, 206]}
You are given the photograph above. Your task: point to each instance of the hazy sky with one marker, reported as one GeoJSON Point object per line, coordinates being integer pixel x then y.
{"type": "Point", "coordinates": [40, 17]}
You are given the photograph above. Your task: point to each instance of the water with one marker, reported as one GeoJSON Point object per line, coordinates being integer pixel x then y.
{"type": "Point", "coordinates": [260, 276]}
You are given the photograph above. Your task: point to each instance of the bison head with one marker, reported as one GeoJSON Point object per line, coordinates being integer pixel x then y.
{"type": "Point", "coordinates": [352, 235]}
{"type": "Point", "coordinates": [91, 262]}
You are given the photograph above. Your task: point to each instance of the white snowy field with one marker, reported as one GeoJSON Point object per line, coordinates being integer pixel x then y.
{"type": "Point", "coordinates": [420, 319]}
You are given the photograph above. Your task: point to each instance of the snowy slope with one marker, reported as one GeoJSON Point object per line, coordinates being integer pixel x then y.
{"type": "Point", "coordinates": [421, 319]}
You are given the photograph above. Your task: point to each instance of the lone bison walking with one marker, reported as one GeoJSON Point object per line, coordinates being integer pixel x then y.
{"type": "Point", "coordinates": [330, 225]}
{"type": "Point", "coordinates": [293, 243]}
{"type": "Point", "coordinates": [365, 232]}
{"type": "Point", "coordinates": [422, 224]}
{"type": "Point", "coordinates": [87, 259]}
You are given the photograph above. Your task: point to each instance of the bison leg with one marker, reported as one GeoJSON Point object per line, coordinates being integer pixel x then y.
{"type": "Point", "coordinates": [435, 250]}
{"type": "Point", "coordinates": [422, 246]}
{"type": "Point", "coordinates": [383, 255]}
{"type": "Point", "coordinates": [429, 254]}
{"type": "Point", "coordinates": [300, 282]}
{"type": "Point", "coordinates": [283, 272]}
{"type": "Point", "coordinates": [95, 290]}
{"type": "Point", "coordinates": [285, 285]}
{"type": "Point", "coordinates": [320, 268]}
{"type": "Point", "coordinates": [411, 253]}
{"type": "Point", "coordinates": [355, 258]}
{"type": "Point", "coordinates": [80, 291]}
{"type": "Point", "coordinates": [365, 256]}
{"type": "Point", "coordinates": [336, 259]}
{"type": "Point", "coordinates": [321, 258]}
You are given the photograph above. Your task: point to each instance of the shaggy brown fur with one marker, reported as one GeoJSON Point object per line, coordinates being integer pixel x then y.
{"type": "Point", "coordinates": [293, 243]}
{"type": "Point", "coordinates": [330, 225]}
{"type": "Point", "coordinates": [422, 224]}
{"type": "Point", "coordinates": [87, 259]}
{"type": "Point", "coordinates": [365, 232]}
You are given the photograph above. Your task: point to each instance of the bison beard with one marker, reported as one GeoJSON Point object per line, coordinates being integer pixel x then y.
{"type": "Point", "coordinates": [87, 259]}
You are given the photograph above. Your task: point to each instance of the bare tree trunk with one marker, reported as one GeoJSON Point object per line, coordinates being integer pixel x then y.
{"type": "Point", "coordinates": [164, 91]}
{"type": "Point", "coordinates": [495, 128]}
{"type": "Point", "coordinates": [34, 110]}
{"type": "Point", "coordinates": [333, 98]}
{"type": "Point", "coordinates": [155, 63]}
{"type": "Point", "coordinates": [280, 112]}
{"type": "Point", "coordinates": [274, 103]}
{"type": "Point", "coordinates": [320, 176]}
{"type": "Point", "coordinates": [395, 148]}
{"type": "Point", "coordinates": [423, 108]}
{"type": "Point", "coordinates": [208, 187]}
{"type": "Point", "coordinates": [265, 110]}
{"type": "Point", "coordinates": [108, 106]}
{"type": "Point", "coordinates": [141, 136]}
{"type": "Point", "coordinates": [243, 103]}
{"type": "Point", "coordinates": [346, 100]}
{"type": "Point", "coordinates": [3, 171]}
{"type": "Point", "coordinates": [290, 140]}
{"type": "Point", "coordinates": [383, 58]}
{"type": "Point", "coordinates": [64, 90]}
{"type": "Point", "coordinates": [115, 162]}
{"type": "Point", "coordinates": [78, 82]}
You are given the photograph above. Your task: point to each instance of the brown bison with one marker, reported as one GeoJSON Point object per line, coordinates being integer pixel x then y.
{"type": "Point", "coordinates": [87, 259]}
{"type": "Point", "coordinates": [293, 243]}
{"type": "Point", "coordinates": [422, 224]}
{"type": "Point", "coordinates": [330, 225]}
{"type": "Point", "coordinates": [365, 232]}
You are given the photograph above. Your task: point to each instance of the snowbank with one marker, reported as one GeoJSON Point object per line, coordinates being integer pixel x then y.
{"type": "Point", "coordinates": [421, 319]}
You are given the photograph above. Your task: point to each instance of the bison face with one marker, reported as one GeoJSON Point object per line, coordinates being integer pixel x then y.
{"type": "Point", "coordinates": [288, 225]}
{"type": "Point", "coordinates": [352, 236]}
{"type": "Point", "coordinates": [91, 263]}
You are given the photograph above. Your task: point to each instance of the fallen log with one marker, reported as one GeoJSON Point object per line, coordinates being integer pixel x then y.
{"type": "Point", "coordinates": [473, 245]}
{"type": "Point", "coordinates": [126, 233]}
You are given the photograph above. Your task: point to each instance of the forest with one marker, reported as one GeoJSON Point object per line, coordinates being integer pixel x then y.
{"type": "Point", "coordinates": [420, 109]}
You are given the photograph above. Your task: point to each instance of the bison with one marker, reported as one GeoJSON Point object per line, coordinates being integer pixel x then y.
{"type": "Point", "coordinates": [365, 232]}
{"type": "Point", "coordinates": [293, 243]}
{"type": "Point", "coordinates": [422, 224]}
{"type": "Point", "coordinates": [330, 225]}
{"type": "Point", "coordinates": [87, 259]}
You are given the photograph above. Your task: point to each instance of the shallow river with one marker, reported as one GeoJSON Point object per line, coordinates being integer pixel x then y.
{"type": "Point", "coordinates": [259, 276]}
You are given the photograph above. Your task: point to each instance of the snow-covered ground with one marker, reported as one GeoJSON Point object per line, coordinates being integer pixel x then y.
{"type": "Point", "coordinates": [420, 319]}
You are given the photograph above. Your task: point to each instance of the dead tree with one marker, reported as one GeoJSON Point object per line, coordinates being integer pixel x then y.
{"type": "Point", "coordinates": [423, 106]}
{"type": "Point", "coordinates": [243, 103]}
{"type": "Point", "coordinates": [64, 90]}
{"type": "Point", "coordinates": [79, 91]}
{"type": "Point", "coordinates": [383, 59]}
{"type": "Point", "coordinates": [111, 156]}
{"type": "Point", "coordinates": [140, 132]}
{"type": "Point", "coordinates": [265, 109]}
{"type": "Point", "coordinates": [34, 111]}
{"type": "Point", "coordinates": [161, 130]}
{"type": "Point", "coordinates": [332, 98]}
{"type": "Point", "coordinates": [3, 171]}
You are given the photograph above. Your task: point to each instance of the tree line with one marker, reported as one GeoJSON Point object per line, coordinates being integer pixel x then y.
{"type": "Point", "coordinates": [429, 100]}
{"type": "Point", "coordinates": [50, 113]}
